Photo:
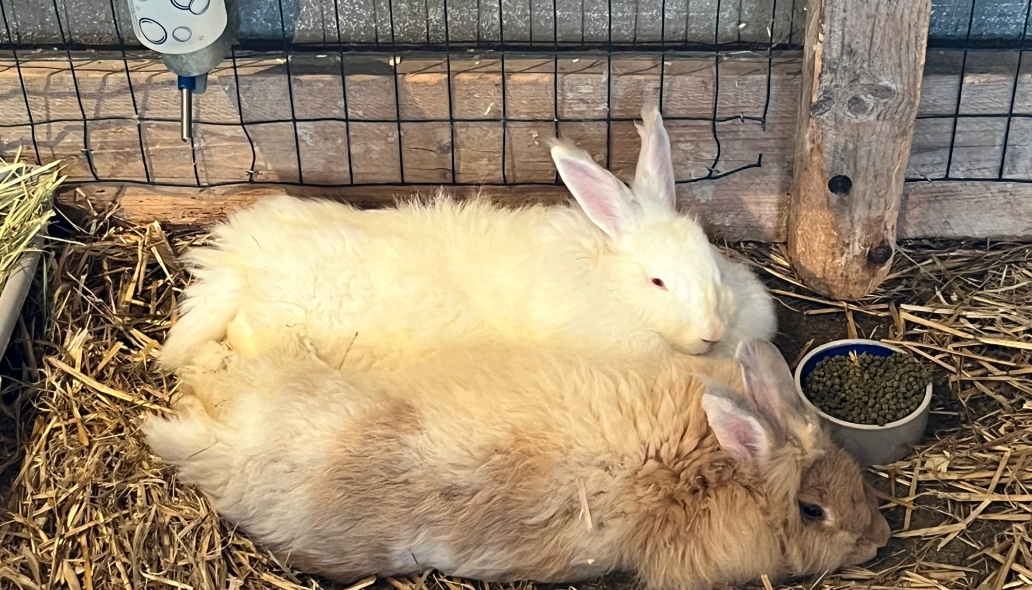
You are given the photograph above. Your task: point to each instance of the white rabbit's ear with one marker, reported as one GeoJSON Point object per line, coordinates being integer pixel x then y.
{"type": "Point", "coordinates": [768, 379]}
{"type": "Point", "coordinates": [739, 429]}
{"type": "Point", "coordinates": [654, 176]}
{"type": "Point", "coordinates": [606, 200]}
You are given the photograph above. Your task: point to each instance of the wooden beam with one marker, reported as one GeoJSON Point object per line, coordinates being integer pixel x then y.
{"type": "Point", "coordinates": [860, 93]}
{"type": "Point", "coordinates": [953, 210]}
{"type": "Point", "coordinates": [143, 204]}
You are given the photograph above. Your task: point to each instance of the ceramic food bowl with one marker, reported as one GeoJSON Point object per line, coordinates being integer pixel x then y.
{"type": "Point", "coordinates": [869, 444]}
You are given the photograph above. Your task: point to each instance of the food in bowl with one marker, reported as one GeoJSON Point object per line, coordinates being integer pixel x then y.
{"type": "Point", "coordinates": [867, 389]}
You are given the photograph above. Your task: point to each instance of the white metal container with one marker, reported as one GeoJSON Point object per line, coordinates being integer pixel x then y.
{"type": "Point", "coordinates": [12, 298]}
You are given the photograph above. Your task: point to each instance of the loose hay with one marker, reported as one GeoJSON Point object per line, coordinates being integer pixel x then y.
{"type": "Point", "coordinates": [86, 507]}
{"type": "Point", "coordinates": [25, 208]}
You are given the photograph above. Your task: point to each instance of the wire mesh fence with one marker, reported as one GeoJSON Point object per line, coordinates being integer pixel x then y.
{"type": "Point", "coordinates": [977, 124]}
{"type": "Point", "coordinates": [464, 92]}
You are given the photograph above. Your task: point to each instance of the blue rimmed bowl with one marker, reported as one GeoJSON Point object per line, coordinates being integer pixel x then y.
{"type": "Point", "coordinates": [868, 444]}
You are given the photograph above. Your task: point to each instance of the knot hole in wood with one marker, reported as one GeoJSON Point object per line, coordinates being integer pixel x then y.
{"type": "Point", "coordinates": [840, 185]}
{"type": "Point", "coordinates": [879, 255]}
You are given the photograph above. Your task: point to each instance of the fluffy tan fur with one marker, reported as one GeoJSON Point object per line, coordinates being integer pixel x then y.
{"type": "Point", "coordinates": [507, 464]}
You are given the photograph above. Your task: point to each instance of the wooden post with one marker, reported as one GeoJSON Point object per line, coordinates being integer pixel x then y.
{"type": "Point", "coordinates": [860, 91]}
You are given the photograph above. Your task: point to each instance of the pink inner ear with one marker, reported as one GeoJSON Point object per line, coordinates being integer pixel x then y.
{"type": "Point", "coordinates": [598, 193]}
{"type": "Point", "coordinates": [591, 192]}
{"type": "Point", "coordinates": [740, 433]}
{"type": "Point", "coordinates": [746, 438]}
{"type": "Point", "coordinates": [767, 378]}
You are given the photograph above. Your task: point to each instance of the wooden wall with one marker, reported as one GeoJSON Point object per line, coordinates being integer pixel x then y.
{"type": "Point", "coordinates": [360, 144]}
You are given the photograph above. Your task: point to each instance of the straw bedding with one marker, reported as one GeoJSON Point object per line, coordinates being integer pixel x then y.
{"type": "Point", "coordinates": [84, 506]}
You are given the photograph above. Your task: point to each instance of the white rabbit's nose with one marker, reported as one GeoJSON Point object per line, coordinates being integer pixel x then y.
{"type": "Point", "coordinates": [715, 334]}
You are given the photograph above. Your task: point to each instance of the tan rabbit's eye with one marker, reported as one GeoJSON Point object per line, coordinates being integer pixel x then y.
{"type": "Point", "coordinates": [811, 511]}
{"type": "Point", "coordinates": [659, 283]}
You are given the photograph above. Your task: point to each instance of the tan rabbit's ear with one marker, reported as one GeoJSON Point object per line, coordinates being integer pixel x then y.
{"type": "Point", "coordinates": [654, 175]}
{"type": "Point", "coordinates": [768, 379]}
{"type": "Point", "coordinates": [740, 429]}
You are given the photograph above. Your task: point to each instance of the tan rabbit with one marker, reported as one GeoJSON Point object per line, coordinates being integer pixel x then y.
{"type": "Point", "coordinates": [508, 465]}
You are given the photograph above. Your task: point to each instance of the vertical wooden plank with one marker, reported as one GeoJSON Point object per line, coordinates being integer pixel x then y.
{"type": "Point", "coordinates": [374, 153]}
{"type": "Point", "coordinates": [1018, 164]}
{"type": "Point", "coordinates": [527, 156]}
{"type": "Point", "coordinates": [861, 88]}
{"type": "Point", "coordinates": [115, 149]}
{"type": "Point", "coordinates": [15, 139]}
{"type": "Point", "coordinates": [277, 156]}
{"type": "Point", "coordinates": [589, 136]}
{"type": "Point", "coordinates": [324, 151]}
{"type": "Point", "coordinates": [583, 88]}
{"type": "Point", "coordinates": [1023, 92]}
{"type": "Point", "coordinates": [423, 89]}
{"type": "Point", "coordinates": [478, 149]}
{"type": "Point", "coordinates": [427, 152]}
{"type": "Point", "coordinates": [530, 89]}
{"type": "Point", "coordinates": [476, 88]}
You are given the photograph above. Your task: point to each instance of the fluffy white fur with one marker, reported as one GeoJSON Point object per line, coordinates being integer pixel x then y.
{"type": "Point", "coordinates": [414, 278]}
{"type": "Point", "coordinates": [510, 464]}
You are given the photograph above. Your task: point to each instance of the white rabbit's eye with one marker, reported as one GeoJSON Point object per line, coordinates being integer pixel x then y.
{"type": "Point", "coordinates": [659, 283]}
{"type": "Point", "coordinates": [811, 511]}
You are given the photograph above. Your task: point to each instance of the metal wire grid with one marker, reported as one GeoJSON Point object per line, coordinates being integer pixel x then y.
{"type": "Point", "coordinates": [288, 51]}
{"type": "Point", "coordinates": [965, 51]}
{"type": "Point", "coordinates": [557, 50]}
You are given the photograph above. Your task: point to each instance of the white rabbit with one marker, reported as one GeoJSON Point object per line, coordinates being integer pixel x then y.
{"type": "Point", "coordinates": [637, 278]}
{"type": "Point", "coordinates": [507, 465]}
